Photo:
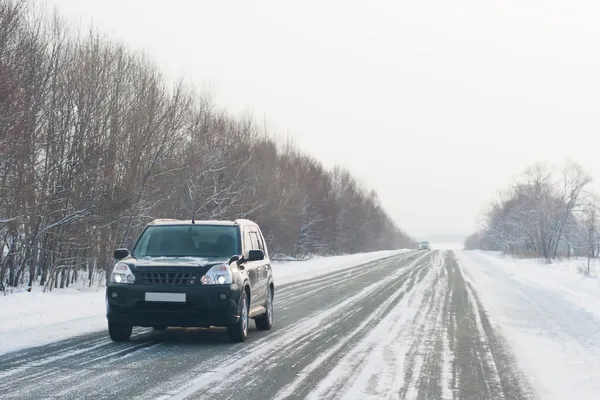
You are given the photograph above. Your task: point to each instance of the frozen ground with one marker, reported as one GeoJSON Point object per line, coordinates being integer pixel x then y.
{"type": "Point", "coordinates": [31, 319]}
{"type": "Point", "coordinates": [418, 325]}
{"type": "Point", "coordinates": [407, 326]}
{"type": "Point", "coordinates": [293, 271]}
{"type": "Point", "coordinates": [550, 315]}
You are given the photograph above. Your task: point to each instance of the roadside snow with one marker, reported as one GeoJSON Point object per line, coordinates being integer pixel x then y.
{"type": "Point", "coordinates": [550, 314]}
{"type": "Point", "coordinates": [34, 319]}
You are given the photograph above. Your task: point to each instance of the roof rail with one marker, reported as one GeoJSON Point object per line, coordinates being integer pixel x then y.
{"type": "Point", "coordinates": [244, 221]}
{"type": "Point", "coordinates": [163, 219]}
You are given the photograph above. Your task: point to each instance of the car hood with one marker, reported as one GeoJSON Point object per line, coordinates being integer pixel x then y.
{"type": "Point", "coordinates": [175, 262]}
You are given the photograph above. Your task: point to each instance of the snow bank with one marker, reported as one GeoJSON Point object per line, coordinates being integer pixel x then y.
{"type": "Point", "coordinates": [36, 318]}
{"type": "Point", "coordinates": [550, 314]}
{"type": "Point", "coordinates": [33, 319]}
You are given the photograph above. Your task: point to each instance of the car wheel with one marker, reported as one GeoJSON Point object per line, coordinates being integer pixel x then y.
{"type": "Point", "coordinates": [119, 332]}
{"type": "Point", "coordinates": [265, 321]}
{"type": "Point", "coordinates": [238, 332]}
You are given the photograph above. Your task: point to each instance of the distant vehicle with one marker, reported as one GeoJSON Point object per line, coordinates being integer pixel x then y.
{"type": "Point", "coordinates": [192, 274]}
{"type": "Point", "coordinates": [424, 246]}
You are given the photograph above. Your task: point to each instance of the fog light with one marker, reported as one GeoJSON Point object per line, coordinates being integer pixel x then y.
{"type": "Point", "coordinates": [222, 296]}
{"type": "Point", "coordinates": [114, 295]}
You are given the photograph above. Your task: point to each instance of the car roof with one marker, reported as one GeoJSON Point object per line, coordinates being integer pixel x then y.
{"type": "Point", "coordinates": [170, 221]}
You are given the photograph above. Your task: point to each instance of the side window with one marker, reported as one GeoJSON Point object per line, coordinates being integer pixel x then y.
{"type": "Point", "coordinates": [257, 241]}
{"type": "Point", "coordinates": [248, 245]}
{"type": "Point", "coordinates": [255, 244]}
{"type": "Point", "coordinates": [261, 241]}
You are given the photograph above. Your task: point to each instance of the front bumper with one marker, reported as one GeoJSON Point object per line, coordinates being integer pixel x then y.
{"type": "Point", "coordinates": [203, 306]}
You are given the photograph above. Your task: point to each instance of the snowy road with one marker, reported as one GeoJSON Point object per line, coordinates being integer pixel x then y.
{"type": "Point", "coordinates": [407, 326]}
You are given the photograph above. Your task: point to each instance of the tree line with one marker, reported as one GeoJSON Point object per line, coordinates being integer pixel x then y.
{"type": "Point", "coordinates": [548, 212]}
{"type": "Point", "coordinates": [94, 144]}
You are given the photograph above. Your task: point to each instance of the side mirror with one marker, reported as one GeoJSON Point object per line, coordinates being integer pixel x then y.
{"type": "Point", "coordinates": [121, 254]}
{"type": "Point", "coordinates": [256, 255]}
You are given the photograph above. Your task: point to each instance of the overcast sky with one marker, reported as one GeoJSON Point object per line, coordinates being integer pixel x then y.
{"type": "Point", "coordinates": [435, 104]}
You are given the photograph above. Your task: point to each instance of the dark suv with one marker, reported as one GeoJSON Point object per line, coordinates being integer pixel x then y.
{"type": "Point", "coordinates": [192, 274]}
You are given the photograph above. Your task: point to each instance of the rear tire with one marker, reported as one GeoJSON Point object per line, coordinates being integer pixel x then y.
{"type": "Point", "coordinates": [119, 332]}
{"type": "Point", "coordinates": [265, 321]}
{"type": "Point", "coordinates": [238, 332]}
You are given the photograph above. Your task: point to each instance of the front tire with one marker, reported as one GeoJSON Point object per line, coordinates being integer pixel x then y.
{"type": "Point", "coordinates": [265, 321]}
{"type": "Point", "coordinates": [119, 332]}
{"type": "Point", "coordinates": [238, 332]}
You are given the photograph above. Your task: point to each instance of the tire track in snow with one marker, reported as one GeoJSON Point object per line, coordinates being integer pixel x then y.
{"type": "Point", "coordinates": [250, 374]}
{"type": "Point", "coordinates": [350, 334]}
{"type": "Point", "coordinates": [446, 378]}
{"type": "Point", "coordinates": [287, 294]}
{"type": "Point", "coordinates": [371, 368]}
{"type": "Point", "coordinates": [69, 366]}
{"type": "Point", "coordinates": [436, 343]}
{"type": "Point", "coordinates": [496, 368]}
{"type": "Point", "coordinates": [458, 353]}
{"type": "Point", "coordinates": [332, 353]}
{"type": "Point", "coordinates": [423, 369]}
{"type": "Point", "coordinates": [155, 364]}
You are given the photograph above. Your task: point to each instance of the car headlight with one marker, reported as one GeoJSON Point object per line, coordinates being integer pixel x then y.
{"type": "Point", "coordinates": [217, 275]}
{"type": "Point", "coordinates": [122, 274]}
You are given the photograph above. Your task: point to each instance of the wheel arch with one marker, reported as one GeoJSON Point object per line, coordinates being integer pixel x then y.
{"type": "Point", "coordinates": [247, 291]}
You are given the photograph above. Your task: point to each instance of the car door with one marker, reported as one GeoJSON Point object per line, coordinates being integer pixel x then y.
{"type": "Point", "coordinates": [260, 294]}
{"type": "Point", "coordinates": [266, 270]}
{"type": "Point", "coordinates": [251, 268]}
{"type": "Point", "coordinates": [263, 266]}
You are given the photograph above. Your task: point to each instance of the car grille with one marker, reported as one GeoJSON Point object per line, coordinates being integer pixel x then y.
{"type": "Point", "coordinates": [167, 278]}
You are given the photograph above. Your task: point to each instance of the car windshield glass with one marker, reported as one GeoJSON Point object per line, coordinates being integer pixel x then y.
{"type": "Point", "coordinates": [208, 241]}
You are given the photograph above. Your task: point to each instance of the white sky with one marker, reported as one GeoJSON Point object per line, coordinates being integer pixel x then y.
{"type": "Point", "coordinates": [435, 104]}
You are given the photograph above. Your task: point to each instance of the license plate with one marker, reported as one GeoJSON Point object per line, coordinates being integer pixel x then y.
{"type": "Point", "coordinates": [166, 297]}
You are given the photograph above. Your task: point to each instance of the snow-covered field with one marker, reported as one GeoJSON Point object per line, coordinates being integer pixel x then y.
{"type": "Point", "coordinates": [32, 319]}
{"type": "Point", "coordinates": [549, 314]}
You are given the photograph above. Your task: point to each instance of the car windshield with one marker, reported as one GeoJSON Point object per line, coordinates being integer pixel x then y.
{"type": "Point", "coordinates": [206, 241]}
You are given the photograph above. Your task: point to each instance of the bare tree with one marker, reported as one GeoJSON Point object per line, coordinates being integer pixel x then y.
{"type": "Point", "coordinates": [540, 215]}
{"type": "Point", "coordinates": [591, 224]}
{"type": "Point", "coordinates": [94, 144]}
